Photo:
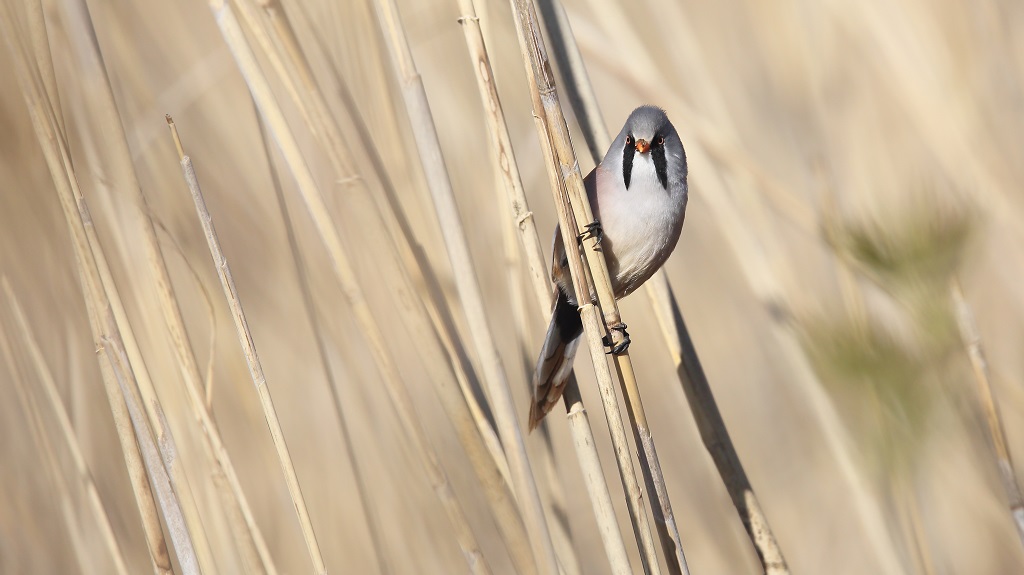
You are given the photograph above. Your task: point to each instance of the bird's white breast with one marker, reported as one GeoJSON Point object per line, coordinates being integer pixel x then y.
{"type": "Point", "coordinates": [641, 224]}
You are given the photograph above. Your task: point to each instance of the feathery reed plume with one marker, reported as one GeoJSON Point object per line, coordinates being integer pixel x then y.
{"type": "Point", "coordinates": [989, 405]}
{"type": "Point", "coordinates": [365, 500]}
{"type": "Point", "coordinates": [505, 161]}
{"type": "Point", "coordinates": [574, 212]}
{"type": "Point", "coordinates": [699, 396]}
{"type": "Point", "coordinates": [467, 285]}
{"type": "Point", "coordinates": [251, 356]}
{"type": "Point", "coordinates": [106, 318]}
{"type": "Point", "coordinates": [317, 208]}
{"type": "Point", "coordinates": [49, 387]}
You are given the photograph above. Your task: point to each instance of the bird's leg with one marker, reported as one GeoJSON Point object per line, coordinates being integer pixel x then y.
{"type": "Point", "coordinates": [592, 230]}
{"type": "Point", "coordinates": [609, 341]}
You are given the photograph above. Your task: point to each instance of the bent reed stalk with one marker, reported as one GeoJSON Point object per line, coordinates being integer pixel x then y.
{"type": "Point", "coordinates": [251, 357]}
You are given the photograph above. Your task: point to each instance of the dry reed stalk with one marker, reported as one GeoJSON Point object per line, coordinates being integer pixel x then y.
{"type": "Point", "coordinates": [517, 208]}
{"type": "Point", "coordinates": [64, 499]}
{"type": "Point", "coordinates": [49, 387]}
{"type": "Point", "coordinates": [251, 357]}
{"type": "Point", "coordinates": [39, 39]}
{"type": "Point", "coordinates": [103, 117]}
{"type": "Point", "coordinates": [431, 321]}
{"type": "Point", "coordinates": [103, 321]}
{"type": "Point", "coordinates": [467, 285]}
{"type": "Point", "coordinates": [366, 502]}
{"type": "Point", "coordinates": [155, 459]}
{"type": "Point", "coordinates": [574, 209]}
{"type": "Point", "coordinates": [474, 429]}
{"type": "Point", "coordinates": [700, 398]}
{"type": "Point", "coordinates": [115, 146]}
{"type": "Point", "coordinates": [239, 513]}
{"type": "Point", "coordinates": [544, 459]}
{"type": "Point", "coordinates": [471, 422]}
{"type": "Point", "coordinates": [317, 208]}
{"type": "Point", "coordinates": [989, 405]}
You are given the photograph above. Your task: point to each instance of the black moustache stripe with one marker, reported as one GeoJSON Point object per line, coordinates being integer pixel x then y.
{"type": "Point", "coordinates": [627, 162]}
{"type": "Point", "coordinates": [660, 165]}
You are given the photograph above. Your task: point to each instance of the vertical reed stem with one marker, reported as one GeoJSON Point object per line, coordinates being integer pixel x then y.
{"type": "Point", "coordinates": [252, 359]}
{"type": "Point", "coordinates": [989, 406]}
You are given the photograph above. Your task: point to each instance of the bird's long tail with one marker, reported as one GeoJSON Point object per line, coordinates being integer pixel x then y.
{"type": "Point", "coordinates": [555, 362]}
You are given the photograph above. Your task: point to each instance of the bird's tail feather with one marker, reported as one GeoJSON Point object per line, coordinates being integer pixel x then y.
{"type": "Point", "coordinates": [556, 357]}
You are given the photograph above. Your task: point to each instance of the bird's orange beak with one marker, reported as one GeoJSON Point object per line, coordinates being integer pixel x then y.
{"type": "Point", "coordinates": [642, 146]}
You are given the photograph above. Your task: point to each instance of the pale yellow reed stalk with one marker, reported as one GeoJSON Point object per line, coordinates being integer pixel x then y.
{"type": "Point", "coordinates": [466, 283]}
{"type": "Point", "coordinates": [111, 141]}
{"type": "Point", "coordinates": [62, 495]}
{"type": "Point", "coordinates": [989, 405]}
{"type": "Point", "coordinates": [365, 500]}
{"type": "Point", "coordinates": [505, 162]}
{"type": "Point", "coordinates": [574, 213]}
{"type": "Point", "coordinates": [252, 358]}
{"type": "Point", "coordinates": [67, 431]}
{"type": "Point", "coordinates": [103, 304]}
{"type": "Point", "coordinates": [430, 321]}
{"type": "Point", "coordinates": [316, 205]}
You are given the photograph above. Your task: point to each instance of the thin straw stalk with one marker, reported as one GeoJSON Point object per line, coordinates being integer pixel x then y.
{"type": "Point", "coordinates": [426, 320]}
{"type": "Point", "coordinates": [316, 206]}
{"type": "Point", "coordinates": [88, 255]}
{"type": "Point", "coordinates": [989, 406]}
{"type": "Point", "coordinates": [49, 387]}
{"type": "Point", "coordinates": [101, 115]}
{"type": "Point", "coordinates": [505, 161]}
{"type": "Point", "coordinates": [438, 182]}
{"type": "Point", "coordinates": [151, 455]}
{"type": "Point", "coordinates": [700, 398]}
{"type": "Point", "coordinates": [571, 222]}
{"type": "Point", "coordinates": [251, 358]}
{"type": "Point", "coordinates": [365, 500]}
{"type": "Point", "coordinates": [635, 503]}
{"type": "Point", "coordinates": [63, 497]}
{"type": "Point", "coordinates": [115, 146]}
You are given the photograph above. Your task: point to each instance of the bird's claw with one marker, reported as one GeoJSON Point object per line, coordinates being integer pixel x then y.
{"type": "Point", "coordinates": [592, 230]}
{"type": "Point", "coordinates": [622, 346]}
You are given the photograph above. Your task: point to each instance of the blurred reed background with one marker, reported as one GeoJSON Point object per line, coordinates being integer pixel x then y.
{"type": "Point", "coordinates": [851, 166]}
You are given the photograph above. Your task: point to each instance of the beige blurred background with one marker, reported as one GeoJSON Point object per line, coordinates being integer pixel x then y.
{"type": "Point", "coordinates": [846, 160]}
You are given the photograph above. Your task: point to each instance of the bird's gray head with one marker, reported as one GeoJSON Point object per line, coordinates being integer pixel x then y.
{"type": "Point", "coordinates": [649, 149]}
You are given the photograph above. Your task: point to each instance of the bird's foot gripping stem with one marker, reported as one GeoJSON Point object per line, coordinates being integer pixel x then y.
{"type": "Point", "coordinates": [592, 230]}
{"type": "Point", "coordinates": [616, 348]}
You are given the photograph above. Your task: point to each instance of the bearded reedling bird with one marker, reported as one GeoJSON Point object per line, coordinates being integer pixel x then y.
{"type": "Point", "coordinates": [638, 196]}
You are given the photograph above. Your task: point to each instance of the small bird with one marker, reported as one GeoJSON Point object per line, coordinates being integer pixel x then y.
{"type": "Point", "coordinates": [638, 197]}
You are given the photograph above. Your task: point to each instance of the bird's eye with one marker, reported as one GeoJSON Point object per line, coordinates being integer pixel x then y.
{"type": "Point", "coordinates": [629, 140]}
{"type": "Point", "coordinates": [661, 140]}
